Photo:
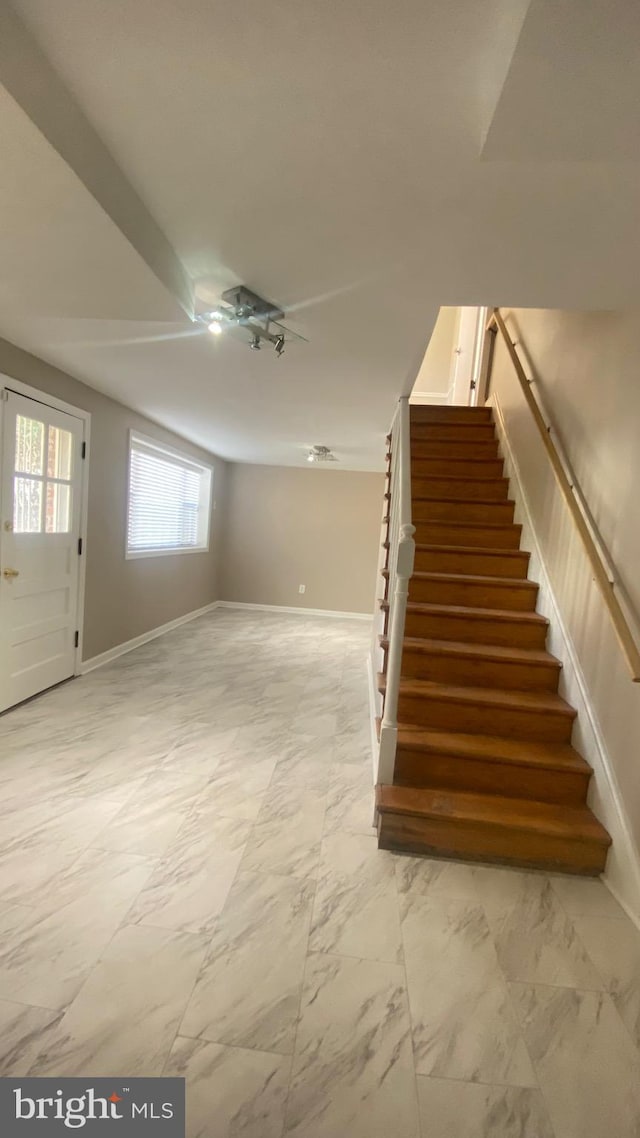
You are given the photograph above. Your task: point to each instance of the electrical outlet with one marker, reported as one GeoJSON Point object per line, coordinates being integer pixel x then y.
{"type": "Point", "coordinates": [301, 588]}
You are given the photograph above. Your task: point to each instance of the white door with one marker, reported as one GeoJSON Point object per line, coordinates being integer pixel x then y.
{"type": "Point", "coordinates": [477, 395]}
{"type": "Point", "coordinates": [40, 495]}
{"type": "Point", "coordinates": [466, 357]}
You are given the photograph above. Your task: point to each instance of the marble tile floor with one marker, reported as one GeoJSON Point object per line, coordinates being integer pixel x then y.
{"type": "Point", "coordinates": [190, 884]}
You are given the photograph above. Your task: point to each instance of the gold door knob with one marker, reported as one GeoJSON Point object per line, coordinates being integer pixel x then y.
{"type": "Point", "coordinates": [9, 574]}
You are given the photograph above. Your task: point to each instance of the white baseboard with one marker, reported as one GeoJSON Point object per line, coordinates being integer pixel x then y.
{"type": "Point", "coordinates": [296, 611]}
{"type": "Point", "coordinates": [153, 633]}
{"type": "Point", "coordinates": [594, 745]}
{"type": "Point", "coordinates": [137, 641]}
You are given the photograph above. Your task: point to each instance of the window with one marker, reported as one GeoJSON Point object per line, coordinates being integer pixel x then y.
{"type": "Point", "coordinates": [42, 498]}
{"type": "Point", "coordinates": [169, 500]}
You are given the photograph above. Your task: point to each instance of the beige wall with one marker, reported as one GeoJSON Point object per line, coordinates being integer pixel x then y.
{"type": "Point", "coordinates": [124, 598]}
{"type": "Point", "coordinates": [434, 377]}
{"type": "Point", "coordinates": [587, 366]}
{"type": "Point", "coordinates": [288, 526]}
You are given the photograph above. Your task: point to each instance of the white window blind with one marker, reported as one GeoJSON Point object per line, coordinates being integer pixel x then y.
{"type": "Point", "coordinates": [169, 500]}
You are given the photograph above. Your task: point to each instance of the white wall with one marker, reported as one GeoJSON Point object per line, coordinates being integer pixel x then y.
{"type": "Point", "coordinates": [586, 366]}
{"type": "Point", "coordinates": [435, 375]}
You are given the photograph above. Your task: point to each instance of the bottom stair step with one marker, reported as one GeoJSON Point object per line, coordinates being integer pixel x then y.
{"type": "Point", "coordinates": [483, 827]}
{"type": "Point", "coordinates": [488, 764]}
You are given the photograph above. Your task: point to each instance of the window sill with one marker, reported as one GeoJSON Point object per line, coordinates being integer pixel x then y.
{"type": "Point", "coordinates": [136, 554]}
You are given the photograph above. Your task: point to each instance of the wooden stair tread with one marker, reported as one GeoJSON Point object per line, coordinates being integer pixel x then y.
{"type": "Point", "coordinates": [468, 525]}
{"type": "Point", "coordinates": [462, 477]}
{"type": "Point", "coordinates": [504, 654]}
{"type": "Point", "coordinates": [458, 424]}
{"type": "Point", "coordinates": [478, 579]}
{"type": "Point", "coordinates": [492, 748]}
{"type": "Point", "coordinates": [548, 702]}
{"type": "Point", "coordinates": [479, 550]}
{"type": "Point", "coordinates": [502, 502]}
{"type": "Point", "coordinates": [473, 613]}
{"type": "Point", "coordinates": [435, 413]}
{"type": "Point", "coordinates": [456, 458]}
{"type": "Point", "coordinates": [472, 579]}
{"type": "Point", "coordinates": [453, 425]}
{"type": "Point", "coordinates": [515, 814]}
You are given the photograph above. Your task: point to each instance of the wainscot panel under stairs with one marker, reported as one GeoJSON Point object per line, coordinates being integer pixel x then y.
{"type": "Point", "coordinates": [484, 765]}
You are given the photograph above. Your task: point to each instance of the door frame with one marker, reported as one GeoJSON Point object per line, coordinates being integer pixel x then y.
{"type": "Point", "coordinates": [7, 383]}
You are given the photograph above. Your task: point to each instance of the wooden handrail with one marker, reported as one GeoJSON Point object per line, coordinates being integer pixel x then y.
{"type": "Point", "coordinates": [623, 631]}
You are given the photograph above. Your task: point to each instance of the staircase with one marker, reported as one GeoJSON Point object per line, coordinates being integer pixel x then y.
{"type": "Point", "coordinates": [484, 765]}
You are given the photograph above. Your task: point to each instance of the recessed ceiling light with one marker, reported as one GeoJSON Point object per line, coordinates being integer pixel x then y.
{"type": "Point", "coordinates": [215, 327]}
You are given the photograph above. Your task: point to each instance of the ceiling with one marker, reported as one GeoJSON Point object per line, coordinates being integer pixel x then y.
{"type": "Point", "coordinates": [360, 166]}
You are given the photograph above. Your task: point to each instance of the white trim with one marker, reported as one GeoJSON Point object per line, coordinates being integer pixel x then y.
{"type": "Point", "coordinates": [153, 633]}
{"type": "Point", "coordinates": [42, 397]}
{"type": "Point", "coordinates": [165, 552]}
{"type": "Point", "coordinates": [8, 383]}
{"type": "Point", "coordinates": [595, 745]}
{"type": "Point", "coordinates": [373, 714]}
{"type": "Point", "coordinates": [633, 916]}
{"type": "Point", "coordinates": [298, 612]}
{"type": "Point", "coordinates": [433, 397]}
{"type": "Point", "coordinates": [375, 746]}
{"type": "Point", "coordinates": [144, 638]}
{"type": "Point", "coordinates": [84, 526]}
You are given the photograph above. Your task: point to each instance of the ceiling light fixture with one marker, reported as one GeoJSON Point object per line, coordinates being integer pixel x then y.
{"type": "Point", "coordinates": [250, 317]}
{"type": "Point", "coordinates": [321, 454]}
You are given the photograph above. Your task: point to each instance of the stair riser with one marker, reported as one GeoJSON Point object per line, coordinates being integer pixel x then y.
{"type": "Point", "coordinates": [476, 719]}
{"type": "Point", "coordinates": [448, 414]}
{"type": "Point", "coordinates": [453, 839]}
{"type": "Point", "coordinates": [482, 564]}
{"type": "Point", "coordinates": [496, 489]}
{"type": "Point", "coordinates": [453, 448]}
{"type": "Point", "coordinates": [479, 630]}
{"type": "Point", "coordinates": [447, 533]}
{"type": "Point", "coordinates": [476, 596]}
{"type": "Point", "coordinates": [461, 671]}
{"type": "Point", "coordinates": [461, 468]}
{"type": "Point", "coordinates": [456, 432]}
{"type": "Point", "coordinates": [448, 772]}
{"type": "Point", "coordinates": [495, 513]}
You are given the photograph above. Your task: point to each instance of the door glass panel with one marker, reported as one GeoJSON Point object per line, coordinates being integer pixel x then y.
{"type": "Point", "coordinates": [57, 509]}
{"type": "Point", "coordinates": [59, 452]}
{"type": "Point", "coordinates": [29, 447]}
{"type": "Point", "coordinates": [27, 505]}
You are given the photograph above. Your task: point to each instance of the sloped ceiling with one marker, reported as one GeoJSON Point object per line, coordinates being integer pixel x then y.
{"type": "Point", "coordinates": [358, 164]}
